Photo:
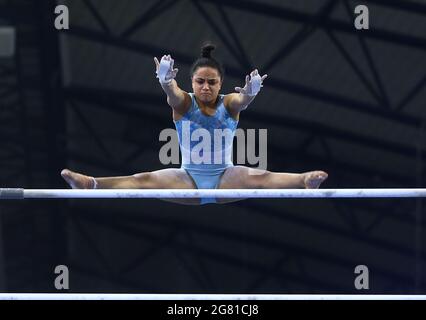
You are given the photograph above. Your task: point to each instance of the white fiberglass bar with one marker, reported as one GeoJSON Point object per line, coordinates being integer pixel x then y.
{"type": "Point", "coordinates": [16, 193]}
{"type": "Point", "coordinates": [123, 296]}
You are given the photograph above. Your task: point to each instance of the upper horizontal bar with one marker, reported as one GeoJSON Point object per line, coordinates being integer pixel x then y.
{"type": "Point", "coordinates": [123, 296]}
{"type": "Point", "coordinates": [8, 193]}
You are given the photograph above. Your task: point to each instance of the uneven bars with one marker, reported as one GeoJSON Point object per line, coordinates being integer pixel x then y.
{"type": "Point", "coordinates": [19, 193]}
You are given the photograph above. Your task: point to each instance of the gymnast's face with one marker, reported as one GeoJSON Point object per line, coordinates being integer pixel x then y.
{"type": "Point", "coordinates": [206, 83]}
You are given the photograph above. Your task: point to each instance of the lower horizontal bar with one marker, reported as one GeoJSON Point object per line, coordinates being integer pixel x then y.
{"type": "Point", "coordinates": [111, 296]}
{"type": "Point", "coordinates": [210, 193]}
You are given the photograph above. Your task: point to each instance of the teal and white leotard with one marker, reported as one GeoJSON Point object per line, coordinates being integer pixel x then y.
{"type": "Point", "coordinates": [206, 144]}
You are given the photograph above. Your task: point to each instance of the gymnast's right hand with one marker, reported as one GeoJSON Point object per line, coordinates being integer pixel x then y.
{"type": "Point", "coordinates": [164, 69]}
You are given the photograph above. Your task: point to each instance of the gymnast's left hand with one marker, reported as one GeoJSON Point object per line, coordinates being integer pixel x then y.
{"type": "Point", "coordinates": [253, 84]}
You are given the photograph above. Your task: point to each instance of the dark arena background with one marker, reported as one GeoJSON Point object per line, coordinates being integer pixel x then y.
{"type": "Point", "coordinates": [347, 101]}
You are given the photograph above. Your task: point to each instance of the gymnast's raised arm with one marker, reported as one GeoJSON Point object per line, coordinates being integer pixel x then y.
{"type": "Point", "coordinates": [178, 99]}
{"type": "Point", "coordinates": [240, 101]}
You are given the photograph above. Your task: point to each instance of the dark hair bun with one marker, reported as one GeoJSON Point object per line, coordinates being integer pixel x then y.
{"type": "Point", "coordinates": [206, 50]}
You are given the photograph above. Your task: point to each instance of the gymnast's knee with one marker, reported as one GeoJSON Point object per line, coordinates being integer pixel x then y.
{"type": "Point", "coordinates": [258, 179]}
{"type": "Point", "coordinates": [143, 179]}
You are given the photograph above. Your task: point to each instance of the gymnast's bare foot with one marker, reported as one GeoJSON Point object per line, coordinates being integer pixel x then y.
{"type": "Point", "coordinates": [77, 180]}
{"type": "Point", "coordinates": [313, 179]}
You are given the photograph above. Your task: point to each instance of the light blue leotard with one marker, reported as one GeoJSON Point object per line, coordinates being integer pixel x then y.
{"type": "Point", "coordinates": [206, 144]}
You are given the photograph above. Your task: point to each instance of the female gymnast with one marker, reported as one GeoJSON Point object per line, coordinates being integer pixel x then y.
{"type": "Point", "coordinates": [205, 109]}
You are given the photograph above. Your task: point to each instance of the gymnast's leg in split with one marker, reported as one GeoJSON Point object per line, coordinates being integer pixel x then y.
{"type": "Point", "coordinates": [161, 179]}
{"type": "Point", "coordinates": [237, 177]}
{"type": "Point", "coordinates": [241, 177]}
